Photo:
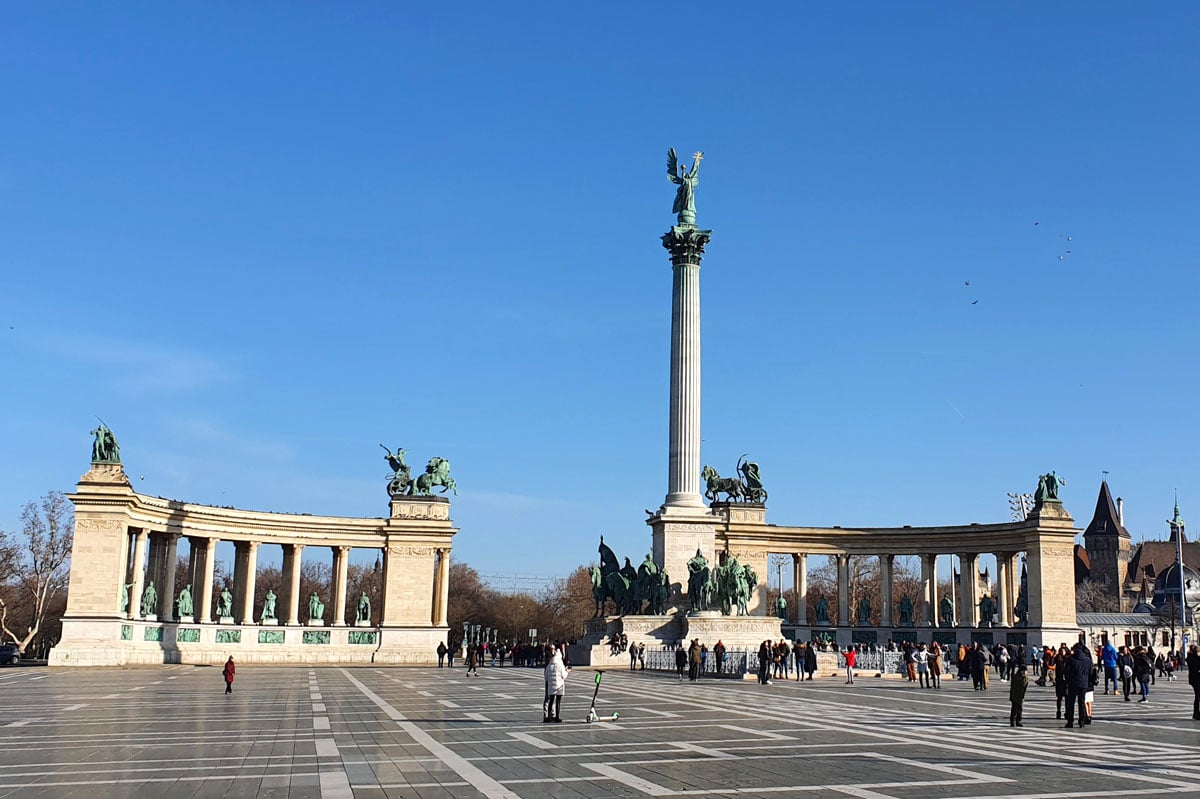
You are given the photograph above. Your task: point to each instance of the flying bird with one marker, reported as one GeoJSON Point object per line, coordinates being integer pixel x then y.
{"type": "Point", "coordinates": [974, 302]}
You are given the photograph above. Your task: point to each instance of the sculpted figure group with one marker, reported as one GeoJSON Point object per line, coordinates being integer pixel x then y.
{"type": "Point", "coordinates": [747, 487]}
{"type": "Point", "coordinates": [632, 591]}
{"type": "Point", "coordinates": [402, 483]}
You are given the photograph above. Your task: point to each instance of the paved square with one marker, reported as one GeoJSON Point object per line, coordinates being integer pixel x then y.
{"type": "Point", "coordinates": [428, 733]}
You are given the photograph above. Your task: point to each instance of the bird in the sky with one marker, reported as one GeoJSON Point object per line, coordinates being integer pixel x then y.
{"type": "Point", "coordinates": [975, 302]}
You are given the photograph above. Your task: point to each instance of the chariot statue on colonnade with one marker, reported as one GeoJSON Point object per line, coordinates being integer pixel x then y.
{"type": "Point", "coordinates": [402, 483]}
{"type": "Point", "coordinates": [747, 487]}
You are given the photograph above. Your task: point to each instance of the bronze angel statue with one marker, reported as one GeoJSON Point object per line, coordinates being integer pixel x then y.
{"type": "Point", "coordinates": [687, 180]}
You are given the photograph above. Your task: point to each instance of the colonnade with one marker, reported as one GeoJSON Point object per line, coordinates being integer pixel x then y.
{"type": "Point", "coordinates": [150, 556]}
{"type": "Point", "coordinates": [966, 601]}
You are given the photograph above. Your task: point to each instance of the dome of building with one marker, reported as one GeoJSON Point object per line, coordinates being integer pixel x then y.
{"type": "Point", "coordinates": [1166, 587]}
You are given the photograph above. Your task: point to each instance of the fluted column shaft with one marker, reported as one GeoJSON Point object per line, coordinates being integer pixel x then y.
{"type": "Point", "coordinates": [293, 580]}
{"type": "Point", "coordinates": [206, 580]}
{"type": "Point", "coordinates": [139, 574]}
{"type": "Point", "coordinates": [166, 582]}
{"type": "Point", "coordinates": [249, 581]}
{"type": "Point", "coordinates": [968, 577]}
{"type": "Point", "coordinates": [341, 563]}
{"type": "Point", "coordinates": [800, 582]}
{"type": "Point", "coordinates": [931, 596]}
{"type": "Point", "coordinates": [683, 480]}
{"type": "Point", "coordinates": [443, 589]}
{"type": "Point", "coordinates": [843, 576]}
{"type": "Point", "coordinates": [885, 590]}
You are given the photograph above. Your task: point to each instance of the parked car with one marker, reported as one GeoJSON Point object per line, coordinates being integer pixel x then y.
{"type": "Point", "coordinates": [9, 655]}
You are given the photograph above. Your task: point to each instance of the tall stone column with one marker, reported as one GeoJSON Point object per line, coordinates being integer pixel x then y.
{"type": "Point", "coordinates": [686, 245]}
{"type": "Point", "coordinates": [885, 590]}
{"type": "Point", "coordinates": [195, 556]}
{"type": "Point", "coordinates": [139, 574]}
{"type": "Point", "coordinates": [441, 608]}
{"type": "Point", "coordinates": [843, 577]}
{"type": "Point", "coordinates": [166, 591]}
{"type": "Point", "coordinates": [293, 581]}
{"type": "Point", "coordinates": [124, 569]}
{"type": "Point", "coordinates": [800, 581]}
{"type": "Point", "coordinates": [249, 582]}
{"type": "Point", "coordinates": [1003, 599]}
{"type": "Point", "coordinates": [239, 577]}
{"type": "Point", "coordinates": [341, 563]}
{"type": "Point", "coordinates": [206, 580]}
{"type": "Point", "coordinates": [968, 578]}
{"type": "Point", "coordinates": [931, 599]}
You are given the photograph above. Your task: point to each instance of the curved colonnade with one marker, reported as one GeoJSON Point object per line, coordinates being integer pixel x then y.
{"type": "Point", "coordinates": [124, 541]}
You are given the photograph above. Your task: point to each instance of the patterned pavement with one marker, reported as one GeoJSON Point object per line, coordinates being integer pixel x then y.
{"type": "Point", "coordinates": [427, 733]}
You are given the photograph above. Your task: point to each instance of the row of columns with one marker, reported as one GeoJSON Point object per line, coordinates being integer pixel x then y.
{"type": "Point", "coordinates": [1007, 577]}
{"type": "Point", "coordinates": [154, 556]}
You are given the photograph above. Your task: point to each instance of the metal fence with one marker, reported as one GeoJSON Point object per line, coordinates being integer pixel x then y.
{"type": "Point", "coordinates": [740, 662]}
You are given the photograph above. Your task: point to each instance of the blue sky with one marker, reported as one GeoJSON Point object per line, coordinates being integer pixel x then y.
{"type": "Point", "coordinates": [260, 239]}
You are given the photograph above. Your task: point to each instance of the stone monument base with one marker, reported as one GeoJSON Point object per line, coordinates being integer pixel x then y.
{"type": "Point", "coordinates": [150, 617]}
{"type": "Point", "coordinates": [735, 632]}
{"type": "Point", "coordinates": [185, 620]}
{"type": "Point", "coordinates": [270, 622]}
{"type": "Point", "coordinates": [226, 620]}
{"type": "Point", "coordinates": [316, 622]}
{"type": "Point", "coordinates": [362, 624]}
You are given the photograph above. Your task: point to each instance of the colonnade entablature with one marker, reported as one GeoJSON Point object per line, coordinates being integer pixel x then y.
{"type": "Point", "coordinates": [123, 580]}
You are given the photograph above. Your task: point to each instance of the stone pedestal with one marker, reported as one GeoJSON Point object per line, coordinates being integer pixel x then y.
{"type": "Point", "coordinates": [736, 632]}
{"type": "Point", "coordinates": [186, 620]}
{"type": "Point", "coordinates": [150, 617]}
{"type": "Point", "coordinates": [316, 622]}
{"type": "Point", "coordinates": [362, 624]}
{"type": "Point", "coordinates": [676, 535]}
{"type": "Point", "coordinates": [270, 622]}
{"type": "Point", "coordinates": [226, 620]}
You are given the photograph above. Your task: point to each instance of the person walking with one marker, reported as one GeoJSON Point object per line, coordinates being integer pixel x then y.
{"type": "Point", "coordinates": [1060, 679]}
{"type": "Point", "coordinates": [1143, 671]}
{"type": "Point", "coordinates": [472, 661]}
{"type": "Point", "coordinates": [642, 656]}
{"type": "Point", "coordinates": [910, 662]}
{"type": "Point", "coordinates": [1108, 657]}
{"type": "Point", "coordinates": [1078, 666]}
{"type": "Point", "coordinates": [935, 664]}
{"type": "Point", "coordinates": [680, 661]}
{"type": "Point", "coordinates": [851, 657]}
{"type": "Point", "coordinates": [719, 654]}
{"type": "Point", "coordinates": [921, 664]}
{"type": "Point", "coordinates": [810, 660]}
{"type": "Point", "coordinates": [785, 659]}
{"type": "Point", "coordinates": [1193, 667]}
{"type": "Point", "coordinates": [441, 653]}
{"type": "Point", "coordinates": [1125, 670]}
{"type": "Point", "coordinates": [228, 673]}
{"type": "Point", "coordinates": [633, 650]}
{"type": "Point", "coordinates": [694, 660]}
{"type": "Point", "coordinates": [764, 663]}
{"type": "Point", "coordinates": [1018, 684]}
{"type": "Point", "coordinates": [556, 683]}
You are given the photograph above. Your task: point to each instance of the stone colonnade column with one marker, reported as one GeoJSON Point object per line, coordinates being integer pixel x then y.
{"type": "Point", "coordinates": [1003, 600]}
{"type": "Point", "coordinates": [442, 602]}
{"type": "Point", "coordinates": [139, 574]}
{"type": "Point", "coordinates": [930, 589]}
{"type": "Point", "coordinates": [1014, 586]}
{"type": "Point", "coordinates": [341, 563]}
{"type": "Point", "coordinates": [166, 591]}
{"type": "Point", "coordinates": [206, 580]}
{"type": "Point", "coordinates": [250, 581]}
{"type": "Point", "coordinates": [124, 571]}
{"type": "Point", "coordinates": [885, 590]}
{"type": "Point", "coordinates": [686, 245]}
{"type": "Point", "coordinates": [239, 577]}
{"type": "Point", "coordinates": [843, 575]}
{"type": "Point", "coordinates": [800, 583]}
{"type": "Point", "coordinates": [968, 578]}
{"type": "Point", "coordinates": [193, 583]}
{"type": "Point", "coordinates": [292, 576]}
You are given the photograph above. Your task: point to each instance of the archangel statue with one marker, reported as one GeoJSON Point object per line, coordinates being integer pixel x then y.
{"type": "Point", "coordinates": [1048, 487]}
{"type": "Point", "coordinates": [685, 196]}
{"type": "Point", "coordinates": [104, 445]}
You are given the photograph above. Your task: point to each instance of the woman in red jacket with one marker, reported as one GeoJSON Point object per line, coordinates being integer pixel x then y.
{"type": "Point", "coordinates": [229, 671]}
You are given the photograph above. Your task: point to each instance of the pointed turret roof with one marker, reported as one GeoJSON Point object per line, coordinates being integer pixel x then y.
{"type": "Point", "coordinates": [1176, 523]}
{"type": "Point", "coordinates": [1105, 521]}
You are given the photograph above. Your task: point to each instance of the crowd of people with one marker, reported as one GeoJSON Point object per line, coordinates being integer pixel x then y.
{"type": "Point", "coordinates": [528, 655]}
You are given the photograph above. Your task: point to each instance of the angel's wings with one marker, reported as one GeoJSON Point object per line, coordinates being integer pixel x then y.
{"type": "Point", "coordinates": [672, 166]}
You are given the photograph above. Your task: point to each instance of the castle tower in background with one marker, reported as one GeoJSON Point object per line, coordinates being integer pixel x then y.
{"type": "Point", "coordinates": [1107, 544]}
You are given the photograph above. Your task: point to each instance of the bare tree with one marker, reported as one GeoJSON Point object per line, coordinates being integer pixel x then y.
{"type": "Point", "coordinates": [1092, 596]}
{"type": "Point", "coordinates": [38, 567]}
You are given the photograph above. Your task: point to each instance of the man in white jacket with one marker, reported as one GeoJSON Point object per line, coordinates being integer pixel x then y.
{"type": "Point", "coordinates": [556, 681]}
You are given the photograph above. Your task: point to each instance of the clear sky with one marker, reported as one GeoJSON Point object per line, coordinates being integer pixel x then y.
{"type": "Point", "coordinates": [955, 247]}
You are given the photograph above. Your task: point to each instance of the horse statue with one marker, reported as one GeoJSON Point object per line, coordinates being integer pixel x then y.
{"type": "Point", "coordinates": [726, 585]}
{"type": "Point", "coordinates": [437, 473]}
{"type": "Point", "coordinates": [621, 591]}
{"type": "Point", "coordinates": [660, 591]}
{"type": "Point", "coordinates": [715, 484]}
{"type": "Point", "coordinates": [753, 488]}
{"type": "Point", "coordinates": [647, 579]}
{"type": "Point", "coordinates": [608, 565]}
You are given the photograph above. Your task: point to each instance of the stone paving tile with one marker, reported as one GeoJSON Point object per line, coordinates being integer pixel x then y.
{"type": "Point", "coordinates": [416, 733]}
